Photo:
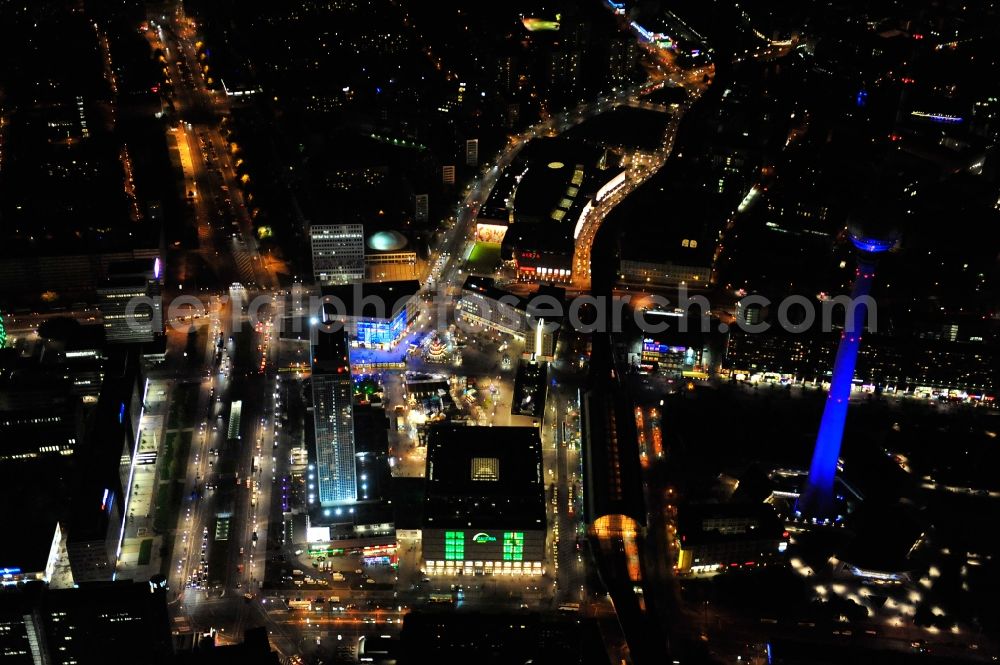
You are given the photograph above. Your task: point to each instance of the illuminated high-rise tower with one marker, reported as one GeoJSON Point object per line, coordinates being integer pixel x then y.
{"type": "Point", "coordinates": [333, 417]}
{"type": "Point", "coordinates": [818, 498]}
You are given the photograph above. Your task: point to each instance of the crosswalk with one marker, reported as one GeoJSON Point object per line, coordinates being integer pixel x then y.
{"type": "Point", "coordinates": [244, 265]}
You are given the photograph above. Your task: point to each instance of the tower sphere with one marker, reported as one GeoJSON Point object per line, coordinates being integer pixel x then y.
{"type": "Point", "coordinates": [873, 230]}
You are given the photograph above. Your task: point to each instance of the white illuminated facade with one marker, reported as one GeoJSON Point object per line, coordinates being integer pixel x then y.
{"type": "Point", "coordinates": [129, 301]}
{"type": "Point", "coordinates": [338, 253]}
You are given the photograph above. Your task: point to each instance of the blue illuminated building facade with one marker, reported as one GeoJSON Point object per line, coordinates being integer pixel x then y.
{"type": "Point", "coordinates": [333, 416]}
{"type": "Point", "coordinates": [382, 333]}
{"type": "Point", "coordinates": [818, 498]}
{"type": "Point", "coordinates": [375, 315]}
{"type": "Point", "coordinates": [668, 358]}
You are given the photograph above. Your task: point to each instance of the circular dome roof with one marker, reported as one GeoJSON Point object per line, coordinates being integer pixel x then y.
{"type": "Point", "coordinates": [387, 241]}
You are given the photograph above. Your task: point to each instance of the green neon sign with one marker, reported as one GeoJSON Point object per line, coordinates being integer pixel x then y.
{"type": "Point", "coordinates": [481, 538]}
{"type": "Point", "coordinates": [513, 546]}
{"type": "Point", "coordinates": [454, 545]}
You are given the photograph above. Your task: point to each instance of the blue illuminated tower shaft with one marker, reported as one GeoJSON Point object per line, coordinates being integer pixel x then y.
{"type": "Point", "coordinates": [817, 499]}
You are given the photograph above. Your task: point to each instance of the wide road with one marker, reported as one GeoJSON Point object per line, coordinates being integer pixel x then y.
{"type": "Point", "coordinates": [224, 523]}
{"type": "Point", "coordinates": [226, 242]}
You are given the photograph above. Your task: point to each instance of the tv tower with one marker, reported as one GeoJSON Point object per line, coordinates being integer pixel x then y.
{"type": "Point", "coordinates": [817, 499]}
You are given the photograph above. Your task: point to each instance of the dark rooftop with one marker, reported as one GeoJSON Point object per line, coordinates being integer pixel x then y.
{"type": "Point", "coordinates": [330, 351]}
{"type": "Point", "coordinates": [29, 551]}
{"type": "Point", "coordinates": [374, 299]}
{"type": "Point", "coordinates": [556, 176]}
{"type": "Point", "coordinates": [529, 389]}
{"type": "Point", "coordinates": [726, 521]}
{"type": "Point", "coordinates": [790, 652]}
{"type": "Point", "coordinates": [681, 240]}
{"type": "Point", "coordinates": [132, 267]}
{"type": "Point", "coordinates": [610, 442]}
{"type": "Point", "coordinates": [884, 538]}
{"type": "Point", "coordinates": [474, 637]}
{"type": "Point", "coordinates": [371, 445]}
{"type": "Point", "coordinates": [488, 475]}
{"type": "Point", "coordinates": [626, 127]}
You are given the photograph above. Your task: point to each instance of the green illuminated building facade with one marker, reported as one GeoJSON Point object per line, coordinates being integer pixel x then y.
{"type": "Point", "coordinates": [483, 551]}
{"type": "Point", "coordinates": [484, 511]}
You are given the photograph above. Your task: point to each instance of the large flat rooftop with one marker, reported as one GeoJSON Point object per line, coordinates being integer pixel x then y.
{"type": "Point", "coordinates": [490, 477]}
{"type": "Point", "coordinates": [544, 191]}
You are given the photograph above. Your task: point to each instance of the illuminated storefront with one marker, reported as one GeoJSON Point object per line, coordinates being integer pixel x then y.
{"type": "Point", "coordinates": [483, 552]}
{"type": "Point", "coordinates": [670, 358]}
{"type": "Point", "coordinates": [376, 314]}
{"type": "Point", "coordinates": [381, 333]}
{"type": "Point", "coordinates": [543, 266]}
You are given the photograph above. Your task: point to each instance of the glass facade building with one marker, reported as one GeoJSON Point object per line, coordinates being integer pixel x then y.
{"type": "Point", "coordinates": [333, 393]}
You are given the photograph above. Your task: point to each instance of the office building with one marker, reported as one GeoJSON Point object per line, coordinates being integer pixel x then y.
{"type": "Point", "coordinates": [97, 624]}
{"type": "Point", "coordinates": [483, 303]}
{"type": "Point", "coordinates": [333, 391]}
{"type": "Point", "coordinates": [39, 423]}
{"type": "Point", "coordinates": [674, 351]}
{"type": "Point", "coordinates": [338, 253]}
{"type": "Point", "coordinates": [472, 152]}
{"type": "Point", "coordinates": [389, 257]}
{"type": "Point", "coordinates": [101, 498]}
{"type": "Point", "coordinates": [130, 304]}
{"type": "Point", "coordinates": [665, 260]}
{"type": "Point", "coordinates": [484, 509]}
{"type": "Point", "coordinates": [537, 325]}
{"type": "Point", "coordinates": [368, 522]}
{"type": "Point", "coordinates": [421, 207]}
{"type": "Point", "coordinates": [918, 366]}
{"type": "Point", "coordinates": [374, 315]}
{"type": "Point", "coordinates": [623, 59]}
{"type": "Point", "coordinates": [564, 70]}
{"type": "Point", "coordinates": [36, 550]}
{"type": "Point", "coordinates": [712, 538]}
